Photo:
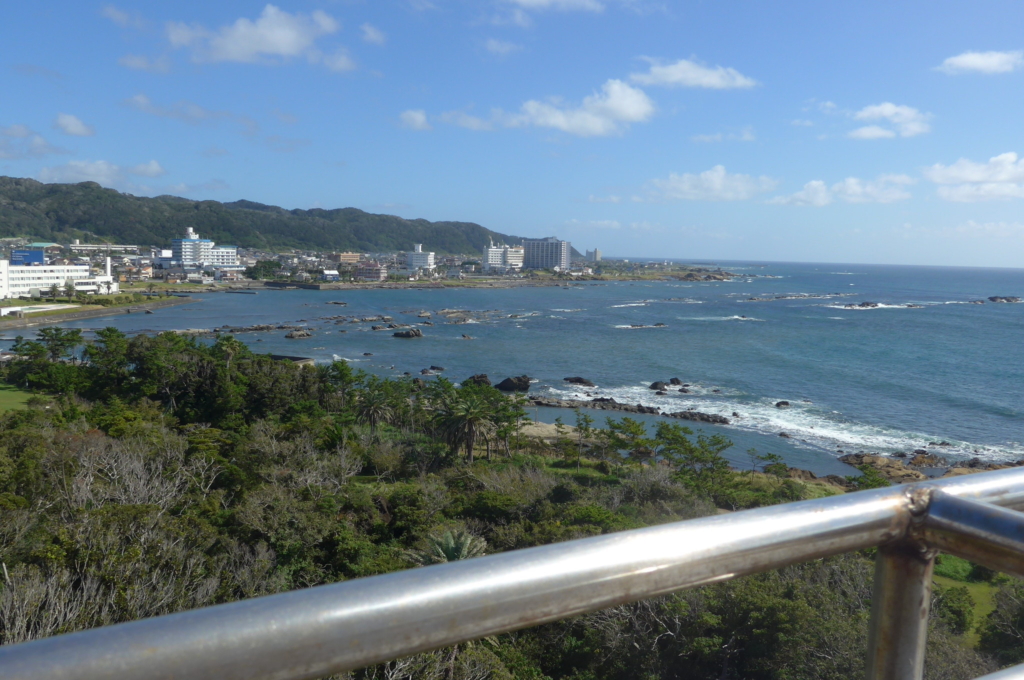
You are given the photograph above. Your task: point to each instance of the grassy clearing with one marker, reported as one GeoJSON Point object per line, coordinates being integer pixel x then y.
{"type": "Point", "coordinates": [12, 398]}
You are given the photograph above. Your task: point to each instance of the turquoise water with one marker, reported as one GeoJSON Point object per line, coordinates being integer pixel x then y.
{"type": "Point", "coordinates": [888, 378]}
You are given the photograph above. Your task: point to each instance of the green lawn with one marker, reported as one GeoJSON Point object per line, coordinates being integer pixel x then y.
{"type": "Point", "coordinates": [12, 397]}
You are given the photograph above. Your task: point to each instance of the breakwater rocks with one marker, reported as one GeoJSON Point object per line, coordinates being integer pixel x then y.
{"type": "Point", "coordinates": [1001, 298]}
{"type": "Point", "coordinates": [607, 404]}
{"type": "Point", "coordinates": [904, 469]}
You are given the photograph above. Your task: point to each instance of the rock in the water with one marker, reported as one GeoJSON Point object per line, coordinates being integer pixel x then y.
{"type": "Point", "coordinates": [517, 384]}
{"type": "Point", "coordinates": [782, 404]}
{"type": "Point", "coordinates": [700, 417]}
{"type": "Point", "coordinates": [675, 381]}
{"type": "Point", "coordinates": [466, 337]}
{"type": "Point", "coordinates": [892, 469]}
{"type": "Point", "coordinates": [1003, 298]}
{"type": "Point", "coordinates": [784, 435]}
{"type": "Point", "coordinates": [411, 333]}
{"type": "Point", "coordinates": [661, 393]}
{"type": "Point", "coordinates": [439, 369]}
{"type": "Point", "coordinates": [576, 380]}
{"type": "Point", "coordinates": [478, 379]}
{"type": "Point", "coordinates": [659, 386]}
{"type": "Point", "coordinates": [297, 334]}
{"type": "Point", "coordinates": [367, 354]}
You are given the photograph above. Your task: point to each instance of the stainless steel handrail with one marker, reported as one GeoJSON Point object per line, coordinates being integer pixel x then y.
{"type": "Point", "coordinates": [328, 629]}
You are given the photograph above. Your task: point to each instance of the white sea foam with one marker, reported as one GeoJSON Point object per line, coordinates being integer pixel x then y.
{"type": "Point", "coordinates": [879, 306]}
{"type": "Point", "coordinates": [718, 318]}
{"type": "Point", "coordinates": [631, 304]}
{"type": "Point", "coordinates": [567, 310]}
{"type": "Point", "coordinates": [808, 425]}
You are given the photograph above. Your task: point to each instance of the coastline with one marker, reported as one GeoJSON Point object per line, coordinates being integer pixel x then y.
{"type": "Point", "coordinates": [48, 319]}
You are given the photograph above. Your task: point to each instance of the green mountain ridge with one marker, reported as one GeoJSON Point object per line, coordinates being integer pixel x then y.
{"type": "Point", "coordinates": [61, 212]}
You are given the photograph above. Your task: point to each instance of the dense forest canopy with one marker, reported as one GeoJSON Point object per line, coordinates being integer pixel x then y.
{"type": "Point", "coordinates": [154, 474]}
{"type": "Point", "coordinates": [61, 212]}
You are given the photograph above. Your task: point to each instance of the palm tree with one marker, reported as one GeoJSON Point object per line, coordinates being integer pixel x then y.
{"type": "Point", "coordinates": [150, 288]}
{"type": "Point", "coordinates": [373, 407]}
{"type": "Point", "coordinates": [448, 547]}
{"type": "Point", "coordinates": [69, 290]}
{"type": "Point", "coordinates": [462, 417]}
{"type": "Point", "coordinates": [54, 291]}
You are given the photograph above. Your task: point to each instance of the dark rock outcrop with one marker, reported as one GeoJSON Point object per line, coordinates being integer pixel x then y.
{"type": "Point", "coordinates": [411, 333]}
{"type": "Point", "coordinates": [659, 386]}
{"type": "Point", "coordinates": [576, 380]}
{"type": "Point", "coordinates": [699, 417]}
{"type": "Point", "coordinates": [298, 334]}
{"type": "Point", "coordinates": [782, 404]}
{"type": "Point", "coordinates": [478, 379]}
{"type": "Point", "coordinates": [1003, 298]}
{"type": "Point", "coordinates": [517, 384]}
{"type": "Point", "coordinates": [675, 381]}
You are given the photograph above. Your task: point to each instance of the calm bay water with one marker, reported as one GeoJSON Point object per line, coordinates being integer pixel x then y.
{"type": "Point", "coordinates": [890, 378]}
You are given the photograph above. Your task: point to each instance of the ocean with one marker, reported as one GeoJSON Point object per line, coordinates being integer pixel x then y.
{"type": "Point", "coordinates": [923, 367]}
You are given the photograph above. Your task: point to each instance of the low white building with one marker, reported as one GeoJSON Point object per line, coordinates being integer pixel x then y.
{"type": "Point", "coordinates": [24, 281]}
{"type": "Point", "coordinates": [501, 259]}
{"type": "Point", "coordinates": [419, 260]}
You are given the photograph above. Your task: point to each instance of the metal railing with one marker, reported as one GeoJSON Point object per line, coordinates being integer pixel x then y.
{"type": "Point", "coordinates": [328, 629]}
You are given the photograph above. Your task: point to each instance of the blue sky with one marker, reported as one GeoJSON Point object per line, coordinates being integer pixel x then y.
{"type": "Point", "coordinates": [841, 132]}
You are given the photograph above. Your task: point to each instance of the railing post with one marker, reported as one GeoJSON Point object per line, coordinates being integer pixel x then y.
{"type": "Point", "coordinates": [899, 612]}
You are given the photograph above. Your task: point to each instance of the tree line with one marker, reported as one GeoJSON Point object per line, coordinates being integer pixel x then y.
{"type": "Point", "coordinates": [153, 474]}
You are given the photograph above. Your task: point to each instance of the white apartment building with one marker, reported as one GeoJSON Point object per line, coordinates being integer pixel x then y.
{"type": "Point", "coordinates": [502, 259]}
{"type": "Point", "coordinates": [546, 253]}
{"type": "Point", "coordinates": [38, 279]}
{"type": "Point", "coordinates": [419, 260]}
{"type": "Point", "coordinates": [193, 252]}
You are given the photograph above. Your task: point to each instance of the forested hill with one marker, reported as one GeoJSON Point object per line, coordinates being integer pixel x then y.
{"type": "Point", "coordinates": [60, 212]}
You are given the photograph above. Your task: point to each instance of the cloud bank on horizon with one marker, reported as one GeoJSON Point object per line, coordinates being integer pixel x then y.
{"type": "Point", "coordinates": [642, 128]}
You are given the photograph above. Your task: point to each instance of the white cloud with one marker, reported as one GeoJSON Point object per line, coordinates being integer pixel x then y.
{"type": "Point", "coordinates": [373, 35]}
{"type": "Point", "coordinates": [802, 123]}
{"type": "Point", "coordinates": [414, 119]}
{"type": "Point", "coordinates": [465, 120]}
{"type": "Point", "coordinates": [72, 125]}
{"type": "Point", "coordinates": [101, 172]}
{"type": "Point", "coordinates": [17, 131]}
{"type": "Point", "coordinates": [711, 185]}
{"type": "Point", "coordinates": [871, 132]}
{"type": "Point", "coordinates": [338, 62]}
{"type": "Point", "coordinates": [18, 142]}
{"type": "Point", "coordinates": [983, 62]}
{"type": "Point", "coordinates": [150, 169]}
{"type": "Point", "coordinates": [275, 34]}
{"type": "Point", "coordinates": [968, 181]}
{"type": "Point", "coordinates": [501, 47]}
{"type": "Point", "coordinates": [744, 135]}
{"type": "Point", "coordinates": [141, 63]}
{"type": "Point", "coordinates": [885, 189]}
{"type": "Point", "coordinates": [605, 199]}
{"type": "Point", "coordinates": [122, 18]}
{"type": "Point", "coordinates": [907, 120]}
{"type": "Point", "coordinates": [593, 224]}
{"type": "Point", "coordinates": [565, 5]}
{"type": "Point", "coordinates": [602, 113]}
{"type": "Point", "coordinates": [687, 73]}
{"type": "Point", "coordinates": [190, 112]}
{"type": "Point", "coordinates": [814, 193]}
